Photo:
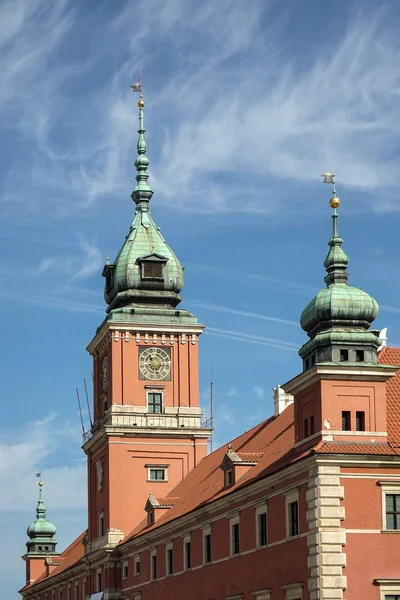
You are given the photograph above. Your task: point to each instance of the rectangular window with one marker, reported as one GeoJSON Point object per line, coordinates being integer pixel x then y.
{"type": "Point", "coordinates": [154, 566]}
{"type": "Point", "coordinates": [359, 355]}
{"type": "Point", "coordinates": [76, 591]}
{"type": "Point", "coordinates": [157, 474]}
{"type": "Point", "coordinates": [152, 270]}
{"type": "Point", "coordinates": [207, 548]}
{"type": "Point", "coordinates": [137, 566]}
{"type": "Point", "coordinates": [99, 588]}
{"type": "Point", "coordinates": [188, 555]}
{"type": "Point", "coordinates": [84, 589]}
{"type": "Point", "coordinates": [60, 595]}
{"type": "Point", "coordinates": [312, 428]}
{"type": "Point", "coordinates": [391, 597]}
{"type": "Point", "coordinates": [346, 420]}
{"type": "Point", "coordinates": [360, 421]}
{"type": "Point", "coordinates": [229, 477]}
{"type": "Point", "coordinates": [262, 529]}
{"type": "Point", "coordinates": [235, 536]}
{"type": "Point", "coordinates": [344, 355]}
{"type": "Point", "coordinates": [293, 518]}
{"type": "Point", "coordinates": [69, 593]}
{"type": "Point", "coordinates": [170, 560]}
{"type": "Point", "coordinates": [154, 402]}
{"type": "Point", "coordinates": [125, 570]}
{"type": "Point", "coordinates": [101, 525]}
{"type": "Point", "coordinates": [306, 428]}
{"type": "Point", "coordinates": [392, 511]}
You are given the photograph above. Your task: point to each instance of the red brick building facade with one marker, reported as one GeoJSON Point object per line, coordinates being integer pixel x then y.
{"type": "Point", "coordinates": [305, 505]}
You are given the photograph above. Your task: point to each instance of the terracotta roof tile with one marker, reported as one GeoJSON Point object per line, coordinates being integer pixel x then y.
{"type": "Point", "coordinates": [355, 448]}
{"type": "Point", "coordinates": [391, 356]}
{"type": "Point", "coordinates": [172, 501]}
{"type": "Point", "coordinates": [250, 456]}
{"type": "Point", "coordinates": [70, 557]}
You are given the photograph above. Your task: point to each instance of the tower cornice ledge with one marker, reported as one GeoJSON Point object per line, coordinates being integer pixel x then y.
{"type": "Point", "coordinates": [340, 372]}
{"type": "Point", "coordinates": [150, 329]}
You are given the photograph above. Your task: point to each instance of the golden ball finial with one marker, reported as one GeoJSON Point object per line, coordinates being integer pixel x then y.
{"type": "Point", "coordinates": [40, 484]}
{"type": "Point", "coordinates": [141, 102]}
{"type": "Point", "coordinates": [334, 202]}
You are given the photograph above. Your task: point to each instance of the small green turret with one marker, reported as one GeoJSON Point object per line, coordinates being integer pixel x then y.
{"type": "Point", "coordinates": [337, 320]}
{"type": "Point", "coordinates": [41, 532]}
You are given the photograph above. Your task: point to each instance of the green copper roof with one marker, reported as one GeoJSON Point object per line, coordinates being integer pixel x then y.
{"type": "Point", "coordinates": [41, 529]}
{"type": "Point", "coordinates": [338, 304]}
{"type": "Point", "coordinates": [127, 280]}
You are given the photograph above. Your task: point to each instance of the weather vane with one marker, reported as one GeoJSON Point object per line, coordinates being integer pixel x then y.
{"type": "Point", "coordinates": [330, 178]}
{"type": "Point", "coordinates": [138, 87]}
{"type": "Point", "coordinates": [39, 475]}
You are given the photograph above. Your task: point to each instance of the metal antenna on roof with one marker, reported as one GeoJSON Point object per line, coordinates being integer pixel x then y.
{"type": "Point", "coordinates": [87, 402]}
{"type": "Point", "coordinates": [80, 412]}
{"type": "Point", "coordinates": [211, 405]}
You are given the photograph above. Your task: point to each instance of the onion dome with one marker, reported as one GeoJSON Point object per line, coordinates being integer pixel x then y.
{"type": "Point", "coordinates": [41, 531]}
{"type": "Point", "coordinates": [338, 319]}
{"type": "Point", "coordinates": [146, 270]}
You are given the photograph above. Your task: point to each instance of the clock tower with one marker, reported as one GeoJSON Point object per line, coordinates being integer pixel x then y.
{"type": "Point", "coordinates": [148, 429]}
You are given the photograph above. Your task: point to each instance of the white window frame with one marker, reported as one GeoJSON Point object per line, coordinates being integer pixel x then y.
{"type": "Point", "coordinates": [229, 472]}
{"type": "Point", "coordinates": [125, 565]}
{"type": "Point", "coordinates": [390, 487]}
{"type": "Point", "coordinates": [157, 468]}
{"type": "Point", "coordinates": [150, 390]}
{"type": "Point", "coordinates": [187, 540]}
{"type": "Point", "coordinates": [206, 531]}
{"type": "Point", "coordinates": [388, 587]}
{"type": "Point", "coordinates": [136, 561]}
{"type": "Point", "coordinates": [153, 553]}
{"type": "Point", "coordinates": [233, 521]}
{"type": "Point", "coordinates": [261, 509]}
{"type": "Point", "coordinates": [294, 591]}
{"type": "Point", "coordinates": [290, 497]}
{"type": "Point", "coordinates": [262, 594]}
{"type": "Point", "coordinates": [168, 547]}
{"type": "Point", "coordinates": [138, 596]}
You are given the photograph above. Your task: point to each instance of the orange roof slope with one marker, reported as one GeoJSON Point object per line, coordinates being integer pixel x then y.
{"type": "Point", "coordinates": [69, 558]}
{"type": "Point", "coordinates": [391, 356]}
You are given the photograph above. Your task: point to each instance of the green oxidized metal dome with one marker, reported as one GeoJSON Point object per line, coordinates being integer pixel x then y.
{"type": "Point", "coordinates": [146, 270]}
{"type": "Point", "coordinates": [337, 320]}
{"type": "Point", "coordinates": [338, 302]}
{"type": "Point", "coordinates": [41, 531]}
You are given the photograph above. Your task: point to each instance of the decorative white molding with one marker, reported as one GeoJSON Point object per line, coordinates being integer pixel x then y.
{"type": "Point", "coordinates": [183, 338]}
{"type": "Point", "coordinates": [146, 338]}
{"type": "Point", "coordinates": [163, 338]}
{"type": "Point", "coordinates": [99, 471]}
{"type": "Point", "coordinates": [137, 337]}
{"type": "Point", "coordinates": [294, 591]}
{"type": "Point", "coordinates": [262, 594]}
{"type": "Point", "coordinates": [154, 338]}
{"type": "Point", "coordinates": [172, 339]}
{"type": "Point", "coordinates": [116, 336]}
{"type": "Point", "coordinates": [127, 336]}
{"type": "Point", "coordinates": [326, 537]}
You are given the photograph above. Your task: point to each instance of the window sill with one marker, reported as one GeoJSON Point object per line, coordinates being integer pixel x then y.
{"type": "Point", "coordinates": [157, 480]}
{"type": "Point", "coordinates": [390, 530]}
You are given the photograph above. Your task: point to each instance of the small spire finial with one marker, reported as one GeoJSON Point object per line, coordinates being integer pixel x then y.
{"type": "Point", "coordinates": [334, 202]}
{"type": "Point", "coordinates": [142, 193]}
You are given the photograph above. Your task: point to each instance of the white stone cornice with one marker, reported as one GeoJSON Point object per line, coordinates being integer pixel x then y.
{"type": "Point", "coordinates": [338, 372]}
{"type": "Point", "coordinates": [187, 332]}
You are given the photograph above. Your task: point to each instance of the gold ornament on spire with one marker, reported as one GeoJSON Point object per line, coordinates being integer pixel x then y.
{"type": "Point", "coordinates": [334, 202]}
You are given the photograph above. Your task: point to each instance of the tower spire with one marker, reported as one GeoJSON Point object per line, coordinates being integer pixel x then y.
{"type": "Point", "coordinates": [142, 193]}
{"type": "Point", "coordinates": [337, 260]}
{"type": "Point", "coordinates": [41, 532]}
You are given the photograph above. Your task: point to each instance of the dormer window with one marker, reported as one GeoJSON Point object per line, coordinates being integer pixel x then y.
{"type": "Point", "coordinates": [152, 267]}
{"type": "Point", "coordinates": [108, 274]}
{"type": "Point", "coordinates": [344, 355]}
{"type": "Point", "coordinates": [228, 477]}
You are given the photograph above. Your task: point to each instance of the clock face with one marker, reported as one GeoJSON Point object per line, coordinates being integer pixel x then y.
{"type": "Point", "coordinates": [104, 374]}
{"type": "Point", "coordinates": [155, 364]}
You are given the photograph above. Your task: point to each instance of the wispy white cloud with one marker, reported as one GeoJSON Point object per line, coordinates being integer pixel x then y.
{"type": "Point", "coordinates": [251, 339]}
{"type": "Point", "coordinates": [30, 450]}
{"type": "Point", "coordinates": [258, 391]}
{"type": "Point", "coordinates": [243, 313]}
{"type": "Point", "coordinates": [231, 392]}
{"type": "Point", "coordinates": [78, 265]}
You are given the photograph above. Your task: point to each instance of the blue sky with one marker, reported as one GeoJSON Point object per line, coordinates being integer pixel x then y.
{"type": "Point", "coordinates": [246, 104]}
